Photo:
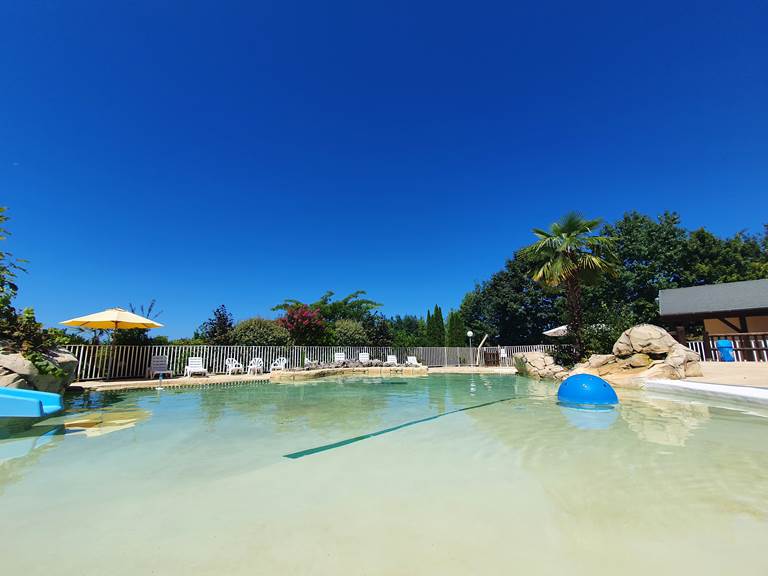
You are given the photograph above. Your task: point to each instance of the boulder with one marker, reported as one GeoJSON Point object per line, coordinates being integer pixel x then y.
{"type": "Point", "coordinates": [597, 360]}
{"type": "Point", "coordinates": [639, 360]}
{"type": "Point", "coordinates": [538, 365]}
{"type": "Point", "coordinates": [681, 355]}
{"type": "Point", "coordinates": [18, 372]}
{"type": "Point", "coordinates": [693, 369]}
{"type": "Point", "coordinates": [664, 371]}
{"type": "Point", "coordinates": [645, 339]}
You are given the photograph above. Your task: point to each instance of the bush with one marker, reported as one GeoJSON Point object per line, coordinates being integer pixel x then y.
{"type": "Point", "coordinates": [260, 332]}
{"type": "Point", "coordinates": [21, 332]}
{"type": "Point", "coordinates": [349, 333]}
{"type": "Point", "coordinates": [565, 354]}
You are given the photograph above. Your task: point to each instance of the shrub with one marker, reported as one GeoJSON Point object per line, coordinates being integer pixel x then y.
{"type": "Point", "coordinates": [349, 333]}
{"type": "Point", "coordinates": [260, 332]}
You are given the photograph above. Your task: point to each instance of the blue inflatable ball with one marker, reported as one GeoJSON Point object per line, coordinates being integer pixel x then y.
{"type": "Point", "coordinates": [581, 389]}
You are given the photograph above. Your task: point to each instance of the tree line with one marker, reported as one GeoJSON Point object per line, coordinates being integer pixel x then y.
{"type": "Point", "coordinates": [353, 320]}
{"type": "Point", "coordinates": [642, 255]}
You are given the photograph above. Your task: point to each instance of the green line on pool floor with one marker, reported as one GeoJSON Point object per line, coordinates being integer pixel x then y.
{"type": "Point", "coordinates": [340, 443]}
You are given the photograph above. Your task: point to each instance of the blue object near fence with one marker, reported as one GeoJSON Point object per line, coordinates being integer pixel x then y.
{"type": "Point", "coordinates": [725, 348]}
{"type": "Point", "coordinates": [586, 390]}
{"type": "Point", "coordinates": [17, 403]}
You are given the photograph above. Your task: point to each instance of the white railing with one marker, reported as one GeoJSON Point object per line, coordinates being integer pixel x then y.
{"type": "Point", "coordinates": [747, 347]}
{"type": "Point", "coordinates": [99, 361]}
{"type": "Point", "coordinates": [698, 347]}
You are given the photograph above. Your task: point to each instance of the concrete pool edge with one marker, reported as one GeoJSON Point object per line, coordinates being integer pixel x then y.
{"type": "Point", "coordinates": [718, 391]}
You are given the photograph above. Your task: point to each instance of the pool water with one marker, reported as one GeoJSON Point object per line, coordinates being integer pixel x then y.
{"type": "Point", "coordinates": [446, 474]}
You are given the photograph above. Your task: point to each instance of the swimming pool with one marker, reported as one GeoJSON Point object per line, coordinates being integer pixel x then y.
{"type": "Point", "coordinates": [448, 474]}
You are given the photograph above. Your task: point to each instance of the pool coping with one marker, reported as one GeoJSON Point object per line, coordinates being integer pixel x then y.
{"type": "Point", "coordinates": [718, 391]}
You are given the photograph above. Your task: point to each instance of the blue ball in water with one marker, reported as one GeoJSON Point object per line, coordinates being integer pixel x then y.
{"type": "Point", "coordinates": [586, 389]}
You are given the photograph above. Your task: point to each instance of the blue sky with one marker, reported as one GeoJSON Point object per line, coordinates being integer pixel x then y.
{"type": "Point", "coordinates": [203, 153]}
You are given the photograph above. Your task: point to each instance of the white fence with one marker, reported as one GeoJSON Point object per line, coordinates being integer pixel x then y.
{"type": "Point", "coordinates": [96, 362]}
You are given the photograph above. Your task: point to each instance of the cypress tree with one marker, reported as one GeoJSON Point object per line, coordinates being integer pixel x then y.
{"type": "Point", "coordinates": [438, 336]}
{"type": "Point", "coordinates": [456, 334]}
{"type": "Point", "coordinates": [435, 327]}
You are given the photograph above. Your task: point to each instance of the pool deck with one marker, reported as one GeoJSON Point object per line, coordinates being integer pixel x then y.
{"type": "Point", "coordinates": [753, 374]}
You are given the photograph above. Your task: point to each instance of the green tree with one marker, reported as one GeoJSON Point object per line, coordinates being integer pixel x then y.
{"type": "Point", "coordinates": [652, 256]}
{"type": "Point", "coordinates": [409, 331]}
{"type": "Point", "coordinates": [260, 332]}
{"type": "Point", "coordinates": [436, 327]}
{"type": "Point", "coordinates": [347, 332]}
{"type": "Point", "coordinates": [63, 337]}
{"type": "Point", "coordinates": [218, 328]}
{"type": "Point", "coordinates": [9, 265]}
{"type": "Point", "coordinates": [379, 330]}
{"type": "Point", "coordinates": [351, 307]}
{"type": "Point", "coordinates": [569, 255]}
{"type": "Point", "coordinates": [456, 330]}
{"type": "Point", "coordinates": [511, 306]}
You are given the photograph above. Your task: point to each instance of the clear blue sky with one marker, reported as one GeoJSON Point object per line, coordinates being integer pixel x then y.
{"type": "Point", "coordinates": [210, 152]}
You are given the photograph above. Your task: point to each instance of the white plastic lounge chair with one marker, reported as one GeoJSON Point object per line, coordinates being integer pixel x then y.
{"type": "Point", "coordinates": [503, 359]}
{"type": "Point", "coordinates": [195, 366]}
{"type": "Point", "coordinates": [364, 357]}
{"type": "Point", "coordinates": [391, 359]}
{"type": "Point", "coordinates": [233, 366]}
{"type": "Point", "coordinates": [279, 364]}
{"type": "Point", "coordinates": [411, 361]}
{"type": "Point", "coordinates": [339, 357]}
{"type": "Point", "coordinates": [158, 366]}
{"type": "Point", "coordinates": [256, 365]}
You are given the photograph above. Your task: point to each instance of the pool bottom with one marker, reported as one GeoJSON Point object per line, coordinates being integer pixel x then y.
{"type": "Point", "coordinates": [670, 487]}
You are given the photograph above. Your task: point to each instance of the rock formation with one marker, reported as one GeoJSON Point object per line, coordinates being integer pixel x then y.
{"type": "Point", "coordinates": [644, 351]}
{"type": "Point", "coordinates": [18, 372]}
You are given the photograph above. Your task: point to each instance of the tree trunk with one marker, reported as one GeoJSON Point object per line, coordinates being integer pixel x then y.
{"type": "Point", "coordinates": [573, 300]}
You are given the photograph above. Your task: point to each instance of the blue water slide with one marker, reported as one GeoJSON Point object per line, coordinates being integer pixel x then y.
{"type": "Point", "coordinates": [16, 403]}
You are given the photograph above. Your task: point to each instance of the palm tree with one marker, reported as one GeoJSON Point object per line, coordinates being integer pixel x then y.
{"type": "Point", "coordinates": [568, 255]}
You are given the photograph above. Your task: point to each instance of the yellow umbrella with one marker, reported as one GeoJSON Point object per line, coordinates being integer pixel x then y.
{"type": "Point", "coordinates": [112, 319]}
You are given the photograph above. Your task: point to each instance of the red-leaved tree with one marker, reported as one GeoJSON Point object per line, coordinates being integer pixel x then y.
{"type": "Point", "coordinates": [305, 325]}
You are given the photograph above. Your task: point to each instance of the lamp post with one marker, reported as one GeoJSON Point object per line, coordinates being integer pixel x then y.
{"type": "Point", "coordinates": [469, 335]}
